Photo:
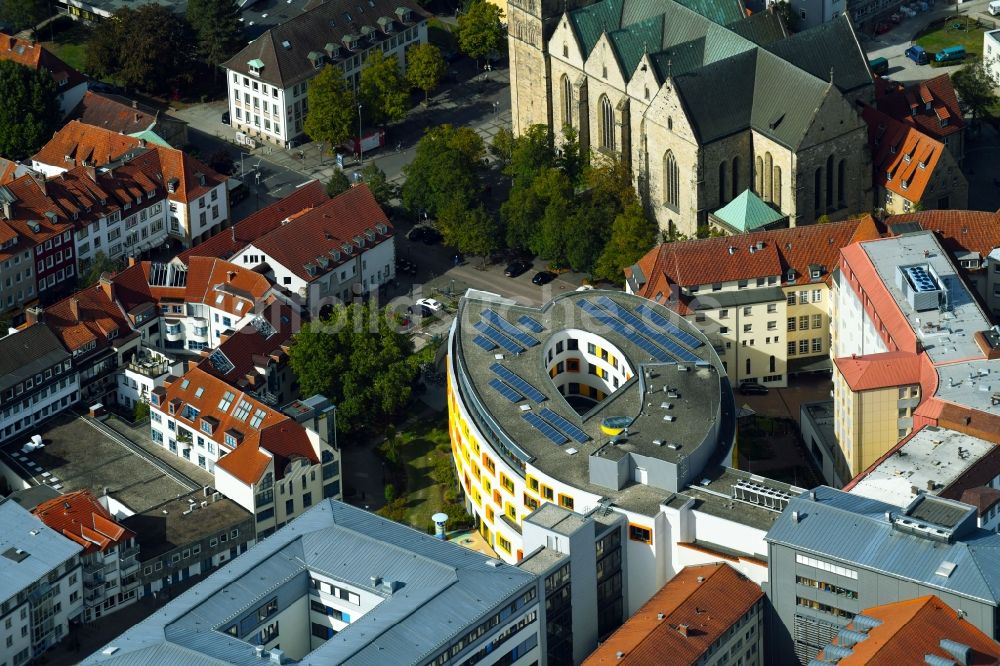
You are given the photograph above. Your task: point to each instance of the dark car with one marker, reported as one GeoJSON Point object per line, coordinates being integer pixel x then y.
{"type": "Point", "coordinates": [753, 388]}
{"type": "Point", "coordinates": [543, 277]}
{"type": "Point", "coordinates": [515, 268]}
{"type": "Point", "coordinates": [225, 117]}
{"type": "Point", "coordinates": [431, 236]}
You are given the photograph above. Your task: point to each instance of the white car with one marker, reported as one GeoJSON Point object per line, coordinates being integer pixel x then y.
{"type": "Point", "coordinates": [430, 304]}
{"type": "Point", "coordinates": [585, 287]}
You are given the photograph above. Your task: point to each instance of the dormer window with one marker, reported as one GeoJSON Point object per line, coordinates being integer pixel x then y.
{"type": "Point", "coordinates": [907, 158]}
{"type": "Point", "coordinates": [922, 165]}
{"type": "Point", "coordinates": [943, 122]}
{"type": "Point", "coordinates": [903, 184]}
{"type": "Point", "coordinates": [888, 176]}
{"type": "Point", "coordinates": [403, 14]}
{"type": "Point", "coordinates": [254, 66]}
{"type": "Point", "coordinates": [316, 58]}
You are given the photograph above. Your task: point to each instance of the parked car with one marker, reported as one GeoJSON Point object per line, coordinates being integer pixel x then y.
{"type": "Point", "coordinates": [883, 28]}
{"type": "Point", "coordinates": [917, 54]}
{"type": "Point", "coordinates": [225, 117]}
{"type": "Point", "coordinates": [430, 304]}
{"type": "Point", "coordinates": [753, 388]}
{"type": "Point", "coordinates": [585, 287]}
{"type": "Point", "coordinates": [543, 277]}
{"type": "Point", "coordinates": [879, 66]}
{"type": "Point", "coordinates": [950, 54]}
{"type": "Point", "coordinates": [515, 268]}
{"type": "Point", "coordinates": [431, 236]}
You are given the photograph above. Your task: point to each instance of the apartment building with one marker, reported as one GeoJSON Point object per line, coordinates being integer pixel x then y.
{"type": "Point", "coordinates": [315, 589]}
{"type": "Point", "coordinates": [145, 371]}
{"type": "Point", "coordinates": [268, 79]}
{"type": "Point", "coordinates": [931, 106]}
{"type": "Point", "coordinates": [110, 551]}
{"type": "Point", "coordinates": [329, 254]}
{"type": "Point", "coordinates": [833, 554]}
{"type": "Point", "coordinates": [273, 463]}
{"type": "Point", "coordinates": [37, 380]}
{"type": "Point", "coordinates": [41, 584]}
{"type": "Point", "coordinates": [706, 614]}
{"type": "Point", "coordinates": [762, 298]}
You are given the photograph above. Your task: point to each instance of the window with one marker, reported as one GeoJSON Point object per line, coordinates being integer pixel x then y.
{"type": "Point", "coordinates": [258, 417]}
{"type": "Point", "coordinates": [803, 346]}
{"type": "Point", "coordinates": [817, 345]}
{"type": "Point", "coordinates": [607, 124]}
{"type": "Point", "coordinates": [817, 321]}
{"type": "Point", "coordinates": [227, 400]}
{"type": "Point", "coordinates": [567, 92]}
{"type": "Point", "coordinates": [791, 298]}
{"type": "Point", "coordinates": [747, 328]}
{"type": "Point", "coordinates": [547, 493]}
{"type": "Point", "coordinates": [817, 295]}
{"type": "Point", "coordinates": [791, 348]}
{"type": "Point", "coordinates": [772, 325]}
{"type": "Point", "coordinates": [772, 308]}
{"type": "Point", "coordinates": [242, 410]}
{"type": "Point", "coordinates": [640, 533]}
{"type": "Point", "coordinates": [746, 310]}
{"type": "Point", "coordinates": [791, 323]}
{"type": "Point", "coordinates": [804, 321]}
{"type": "Point", "coordinates": [723, 314]}
{"type": "Point", "coordinates": [671, 181]}
{"type": "Point", "coordinates": [565, 501]}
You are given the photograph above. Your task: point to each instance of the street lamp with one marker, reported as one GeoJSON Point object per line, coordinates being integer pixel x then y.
{"type": "Point", "coordinates": [361, 150]}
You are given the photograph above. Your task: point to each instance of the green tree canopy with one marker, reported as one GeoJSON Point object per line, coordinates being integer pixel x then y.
{"type": "Point", "coordinates": [447, 166]}
{"type": "Point", "coordinates": [383, 191]}
{"type": "Point", "coordinates": [30, 110]}
{"type": "Point", "coordinates": [100, 264]}
{"type": "Point", "coordinates": [148, 48]}
{"type": "Point", "coordinates": [217, 29]}
{"type": "Point", "coordinates": [502, 147]}
{"type": "Point", "coordinates": [632, 235]}
{"type": "Point", "coordinates": [425, 67]}
{"type": "Point", "coordinates": [383, 89]}
{"type": "Point", "coordinates": [976, 88]}
{"type": "Point", "coordinates": [358, 359]}
{"type": "Point", "coordinates": [23, 14]}
{"type": "Point", "coordinates": [338, 183]}
{"type": "Point", "coordinates": [480, 32]}
{"type": "Point", "coordinates": [332, 108]}
{"type": "Point", "coordinates": [473, 231]}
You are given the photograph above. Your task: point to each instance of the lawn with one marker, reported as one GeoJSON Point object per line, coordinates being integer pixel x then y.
{"type": "Point", "coordinates": [67, 39]}
{"type": "Point", "coordinates": [938, 36]}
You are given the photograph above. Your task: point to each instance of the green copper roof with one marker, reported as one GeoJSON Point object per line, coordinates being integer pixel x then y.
{"type": "Point", "coordinates": [151, 137]}
{"type": "Point", "coordinates": [747, 212]}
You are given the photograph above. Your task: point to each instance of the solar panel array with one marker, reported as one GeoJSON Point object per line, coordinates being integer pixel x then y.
{"type": "Point", "coordinates": [498, 337]}
{"type": "Point", "coordinates": [542, 426]}
{"type": "Point", "coordinates": [506, 391]}
{"type": "Point", "coordinates": [604, 317]}
{"type": "Point", "coordinates": [664, 323]}
{"type": "Point", "coordinates": [508, 328]}
{"type": "Point", "coordinates": [530, 324]}
{"type": "Point", "coordinates": [564, 425]}
{"type": "Point", "coordinates": [514, 380]}
{"type": "Point", "coordinates": [484, 343]}
{"type": "Point", "coordinates": [625, 315]}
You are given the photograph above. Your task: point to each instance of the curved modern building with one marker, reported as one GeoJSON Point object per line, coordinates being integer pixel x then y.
{"type": "Point", "coordinates": [597, 400]}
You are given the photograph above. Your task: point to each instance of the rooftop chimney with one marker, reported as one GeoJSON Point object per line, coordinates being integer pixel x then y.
{"type": "Point", "coordinates": [230, 276]}
{"type": "Point", "coordinates": [105, 284]}
{"type": "Point", "coordinates": [683, 629]}
{"type": "Point", "coordinates": [74, 308]}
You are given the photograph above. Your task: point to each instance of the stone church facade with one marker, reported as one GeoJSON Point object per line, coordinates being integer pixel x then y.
{"type": "Point", "coordinates": [700, 102]}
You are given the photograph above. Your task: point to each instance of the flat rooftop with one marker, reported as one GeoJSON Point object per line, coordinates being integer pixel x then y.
{"type": "Point", "coordinates": [932, 455]}
{"type": "Point", "coordinates": [971, 384]}
{"type": "Point", "coordinates": [541, 561]}
{"type": "Point", "coordinates": [162, 528]}
{"type": "Point", "coordinates": [682, 369]}
{"type": "Point", "coordinates": [78, 456]}
{"type": "Point", "coordinates": [946, 336]}
{"type": "Point", "coordinates": [29, 549]}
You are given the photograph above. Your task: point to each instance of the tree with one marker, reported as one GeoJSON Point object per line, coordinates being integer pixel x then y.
{"type": "Point", "coordinates": [140, 412]}
{"type": "Point", "coordinates": [531, 154]}
{"type": "Point", "coordinates": [502, 146]}
{"type": "Point", "coordinates": [139, 45]}
{"type": "Point", "coordinates": [23, 14]}
{"type": "Point", "coordinates": [447, 166]}
{"type": "Point", "coordinates": [976, 88]}
{"type": "Point", "coordinates": [217, 28]}
{"type": "Point", "coordinates": [425, 67]}
{"type": "Point", "coordinates": [383, 191]}
{"type": "Point", "coordinates": [99, 265]}
{"type": "Point", "coordinates": [356, 357]}
{"type": "Point", "coordinates": [389, 493]}
{"type": "Point", "coordinates": [338, 183]}
{"type": "Point", "coordinates": [632, 235]}
{"type": "Point", "coordinates": [472, 231]}
{"type": "Point", "coordinates": [480, 32]}
{"type": "Point", "coordinates": [784, 10]}
{"type": "Point", "coordinates": [222, 162]}
{"type": "Point", "coordinates": [30, 110]}
{"type": "Point", "coordinates": [384, 91]}
{"type": "Point", "coordinates": [330, 119]}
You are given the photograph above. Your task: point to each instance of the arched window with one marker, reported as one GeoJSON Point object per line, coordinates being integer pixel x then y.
{"type": "Point", "coordinates": [670, 123]}
{"type": "Point", "coordinates": [607, 124]}
{"type": "Point", "coordinates": [748, 366]}
{"type": "Point", "coordinates": [567, 109]}
{"type": "Point", "coordinates": [776, 186]}
{"type": "Point", "coordinates": [722, 182]}
{"type": "Point", "coordinates": [736, 178]}
{"type": "Point", "coordinates": [760, 176]}
{"type": "Point", "coordinates": [829, 183]}
{"type": "Point", "coordinates": [671, 180]}
{"type": "Point", "coordinates": [768, 185]}
{"type": "Point", "coordinates": [841, 178]}
{"type": "Point", "coordinates": [773, 364]}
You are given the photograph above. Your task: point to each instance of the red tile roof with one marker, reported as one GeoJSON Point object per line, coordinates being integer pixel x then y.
{"type": "Point", "coordinates": [35, 56]}
{"type": "Point", "coordinates": [249, 346]}
{"type": "Point", "coordinates": [909, 105]}
{"type": "Point", "coordinates": [89, 315]}
{"type": "Point", "coordinates": [911, 629]}
{"type": "Point", "coordinates": [904, 158]}
{"type": "Point", "coordinates": [31, 221]}
{"type": "Point", "coordinates": [308, 239]}
{"type": "Point", "coordinates": [875, 371]}
{"type": "Point", "coordinates": [708, 260]}
{"type": "Point", "coordinates": [700, 604]}
{"type": "Point", "coordinates": [78, 143]}
{"type": "Point", "coordinates": [960, 231]}
{"type": "Point", "coordinates": [186, 173]}
{"type": "Point", "coordinates": [81, 517]}
{"type": "Point", "coordinates": [114, 115]}
{"type": "Point", "coordinates": [227, 243]}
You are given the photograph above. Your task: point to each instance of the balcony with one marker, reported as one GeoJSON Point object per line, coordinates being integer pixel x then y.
{"type": "Point", "coordinates": [149, 366]}
{"type": "Point", "coordinates": [93, 583]}
{"type": "Point", "coordinates": [93, 597]}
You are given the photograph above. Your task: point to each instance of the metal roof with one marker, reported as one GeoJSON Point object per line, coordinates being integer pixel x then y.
{"type": "Point", "coordinates": [446, 588]}
{"type": "Point", "coordinates": [30, 549]}
{"type": "Point", "coordinates": [856, 531]}
{"type": "Point", "coordinates": [748, 212]}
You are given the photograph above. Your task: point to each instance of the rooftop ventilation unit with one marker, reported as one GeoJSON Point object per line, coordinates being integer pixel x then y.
{"type": "Point", "coordinates": [920, 286]}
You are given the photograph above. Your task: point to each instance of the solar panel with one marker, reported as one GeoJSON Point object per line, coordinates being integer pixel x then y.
{"type": "Point", "coordinates": [672, 347]}
{"type": "Point", "coordinates": [564, 425]}
{"type": "Point", "coordinates": [664, 323]}
{"type": "Point", "coordinates": [484, 343]}
{"type": "Point", "coordinates": [497, 337]}
{"type": "Point", "coordinates": [506, 391]}
{"type": "Point", "coordinates": [616, 325]}
{"type": "Point", "coordinates": [518, 383]}
{"type": "Point", "coordinates": [509, 328]}
{"type": "Point", "coordinates": [543, 427]}
{"type": "Point", "coordinates": [530, 324]}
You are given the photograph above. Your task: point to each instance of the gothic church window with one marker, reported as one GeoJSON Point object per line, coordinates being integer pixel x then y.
{"type": "Point", "coordinates": [567, 105]}
{"type": "Point", "coordinates": [607, 124]}
{"type": "Point", "coordinates": [671, 180]}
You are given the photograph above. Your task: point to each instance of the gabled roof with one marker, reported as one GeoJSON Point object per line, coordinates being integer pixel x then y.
{"type": "Point", "coordinates": [78, 143]}
{"type": "Point", "coordinates": [909, 631]}
{"type": "Point", "coordinates": [28, 352]}
{"type": "Point", "coordinates": [318, 240]}
{"type": "Point", "coordinates": [983, 498]}
{"type": "Point", "coordinates": [828, 49]}
{"type": "Point", "coordinates": [89, 315]}
{"type": "Point", "coordinates": [908, 104]}
{"type": "Point", "coordinates": [81, 517]}
{"type": "Point", "coordinates": [700, 603]}
{"type": "Point", "coordinates": [959, 231]}
{"type": "Point", "coordinates": [227, 243]}
{"type": "Point", "coordinates": [261, 338]}
{"type": "Point", "coordinates": [904, 158]}
{"type": "Point", "coordinates": [35, 56]}
{"type": "Point", "coordinates": [748, 212]}
{"type": "Point", "coordinates": [876, 371]}
{"type": "Point", "coordinates": [112, 114]}
{"type": "Point", "coordinates": [191, 177]}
